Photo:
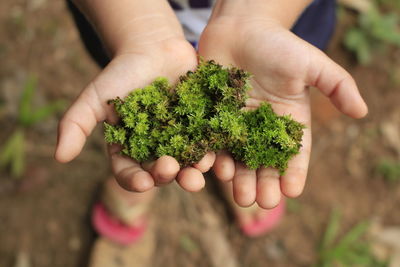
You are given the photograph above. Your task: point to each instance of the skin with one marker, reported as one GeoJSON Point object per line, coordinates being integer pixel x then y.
{"type": "Point", "coordinates": [284, 67]}
{"type": "Point", "coordinates": [144, 41]}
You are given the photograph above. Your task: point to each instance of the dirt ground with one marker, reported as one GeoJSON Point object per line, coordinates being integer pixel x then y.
{"type": "Point", "coordinates": [45, 216]}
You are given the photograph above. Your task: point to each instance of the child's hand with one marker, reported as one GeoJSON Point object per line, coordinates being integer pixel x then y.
{"type": "Point", "coordinates": [151, 49]}
{"type": "Point", "coordinates": [283, 66]}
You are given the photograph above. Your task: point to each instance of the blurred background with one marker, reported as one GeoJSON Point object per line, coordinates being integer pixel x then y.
{"type": "Point", "coordinates": [348, 215]}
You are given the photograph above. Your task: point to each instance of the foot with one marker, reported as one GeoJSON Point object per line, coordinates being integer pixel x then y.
{"type": "Point", "coordinates": [106, 253]}
{"type": "Point", "coordinates": [121, 216]}
{"type": "Point", "coordinates": [129, 208]}
{"type": "Point", "coordinates": [253, 220]}
{"type": "Point", "coordinates": [121, 219]}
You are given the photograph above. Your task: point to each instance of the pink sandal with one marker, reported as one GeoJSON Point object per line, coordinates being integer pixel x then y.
{"type": "Point", "coordinates": [117, 220]}
{"type": "Point", "coordinates": [265, 224]}
{"type": "Point", "coordinates": [124, 227]}
{"type": "Point", "coordinates": [257, 228]}
{"type": "Point", "coordinates": [114, 230]}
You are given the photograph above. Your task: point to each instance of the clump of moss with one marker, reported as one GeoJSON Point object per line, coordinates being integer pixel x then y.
{"type": "Point", "coordinates": [203, 113]}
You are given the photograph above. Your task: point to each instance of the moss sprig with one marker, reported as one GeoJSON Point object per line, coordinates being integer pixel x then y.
{"type": "Point", "coordinates": [203, 113]}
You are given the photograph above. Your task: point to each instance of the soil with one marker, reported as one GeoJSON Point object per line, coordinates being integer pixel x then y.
{"type": "Point", "coordinates": [45, 215]}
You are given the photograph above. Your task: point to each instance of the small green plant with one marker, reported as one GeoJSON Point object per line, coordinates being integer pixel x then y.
{"type": "Point", "coordinates": [293, 205]}
{"type": "Point", "coordinates": [349, 250]}
{"type": "Point", "coordinates": [2, 109]}
{"type": "Point", "coordinates": [389, 4]}
{"type": "Point", "coordinates": [203, 113]}
{"type": "Point", "coordinates": [12, 152]}
{"type": "Point", "coordinates": [389, 169]}
{"type": "Point", "coordinates": [374, 31]}
{"type": "Point", "coordinates": [188, 243]}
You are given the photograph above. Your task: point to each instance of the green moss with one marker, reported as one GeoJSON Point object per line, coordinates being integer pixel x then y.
{"type": "Point", "coordinates": [203, 113]}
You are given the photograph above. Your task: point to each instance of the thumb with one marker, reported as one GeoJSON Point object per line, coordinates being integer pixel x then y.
{"type": "Point", "coordinates": [336, 83]}
{"type": "Point", "coordinates": [119, 77]}
{"type": "Point", "coordinates": [77, 124]}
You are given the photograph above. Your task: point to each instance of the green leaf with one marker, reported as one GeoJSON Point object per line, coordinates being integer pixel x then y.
{"type": "Point", "coordinates": [18, 163]}
{"type": "Point", "coordinates": [341, 251]}
{"type": "Point", "coordinates": [25, 103]}
{"type": "Point", "coordinates": [389, 169]}
{"type": "Point", "coordinates": [356, 41]}
{"type": "Point", "coordinates": [331, 230]}
{"type": "Point", "coordinates": [45, 112]}
{"type": "Point", "coordinates": [353, 235]}
{"type": "Point", "coordinates": [385, 28]}
{"type": "Point", "coordinates": [28, 116]}
{"type": "Point", "coordinates": [188, 244]}
{"type": "Point", "coordinates": [374, 31]}
{"type": "Point", "coordinates": [13, 153]}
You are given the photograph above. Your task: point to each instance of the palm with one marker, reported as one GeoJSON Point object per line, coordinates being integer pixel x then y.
{"type": "Point", "coordinates": [282, 66]}
{"type": "Point", "coordinates": [135, 68]}
{"type": "Point", "coordinates": [278, 61]}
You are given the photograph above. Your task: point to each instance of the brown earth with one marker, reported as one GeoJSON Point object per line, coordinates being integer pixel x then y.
{"type": "Point", "coordinates": [45, 216]}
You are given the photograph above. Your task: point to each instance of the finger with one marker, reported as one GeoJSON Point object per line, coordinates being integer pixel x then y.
{"type": "Point", "coordinates": [244, 185]}
{"type": "Point", "coordinates": [190, 179]}
{"type": "Point", "coordinates": [131, 198]}
{"type": "Point", "coordinates": [224, 166]}
{"type": "Point", "coordinates": [206, 162]}
{"type": "Point", "coordinates": [164, 170]}
{"type": "Point", "coordinates": [77, 124]}
{"type": "Point", "coordinates": [337, 84]}
{"type": "Point", "coordinates": [268, 188]}
{"type": "Point", "coordinates": [293, 181]}
{"type": "Point", "coordinates": [130, 175]}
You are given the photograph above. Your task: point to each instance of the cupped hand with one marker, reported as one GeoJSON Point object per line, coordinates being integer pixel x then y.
{"type": "Point", "coordinates": [283, 68]}
{"type": "Point", "coordinates": [133, 68]}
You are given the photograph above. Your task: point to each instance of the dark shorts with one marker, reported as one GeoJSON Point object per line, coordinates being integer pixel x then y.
{"type": "Point", "coordinates": [316, 25]}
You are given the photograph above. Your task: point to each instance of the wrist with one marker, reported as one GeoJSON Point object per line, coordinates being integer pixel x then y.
{"type": "Point", "coordinates": [123, 24]}
{"type": "Point", "coordinates": [144, 32]}
{"type": "Point", "coordinates": [282, 12]}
